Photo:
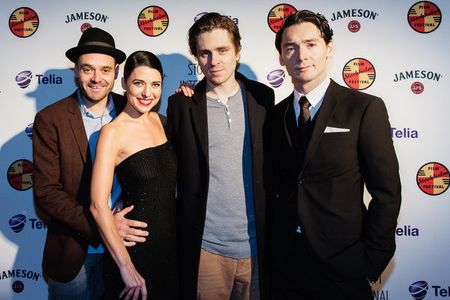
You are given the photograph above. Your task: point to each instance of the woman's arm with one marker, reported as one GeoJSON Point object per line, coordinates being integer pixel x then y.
{"type": "Point", "coordinates": [102, 179]}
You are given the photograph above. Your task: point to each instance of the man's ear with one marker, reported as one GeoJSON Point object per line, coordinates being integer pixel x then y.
{"type": "Point", "coordinates": [124, 86]}
{"type": "Point", "coordinates": [330, 50]}
{"type": "Point", "coordinates": [116, 71]}
{"type": "Point", "coordinates": [280, 59]}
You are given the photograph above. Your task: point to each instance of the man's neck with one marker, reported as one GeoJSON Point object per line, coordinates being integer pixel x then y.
{"type": "Point", "coordinates": [222, 92]}
{"type": "Point", "coordinates": [96, 108]}
{"type": "Point", "coordinates": [306, 87]}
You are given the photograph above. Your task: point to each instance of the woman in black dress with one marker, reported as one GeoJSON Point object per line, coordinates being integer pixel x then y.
{"type": "Point", "coordinates": [135, 146]}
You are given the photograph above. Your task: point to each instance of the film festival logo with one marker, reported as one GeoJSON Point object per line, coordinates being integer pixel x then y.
{"type": "Point", "coordinates": [433, 178]}
{"type": "Point", "coordinates": [359, 73]}
{"type": "Point", "coordinates": [153, 21]}
{"type": "Point", "coordinates": [424, 17]}
{"type": "Point", "coordinates": [23, 22]}
{"type": "Point", "coordinates": [20, 175]}
{"type": "Point", "coordinates": [354, 25]}
{"type": "Point", "coordinates": [277, 15]}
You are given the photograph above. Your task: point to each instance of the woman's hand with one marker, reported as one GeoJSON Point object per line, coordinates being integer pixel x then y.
{"type": "Point", "coordinates": [134, 283]}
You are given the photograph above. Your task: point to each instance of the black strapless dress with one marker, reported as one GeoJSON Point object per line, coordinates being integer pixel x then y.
{"type": "Point", "coordinates": [148, 181]}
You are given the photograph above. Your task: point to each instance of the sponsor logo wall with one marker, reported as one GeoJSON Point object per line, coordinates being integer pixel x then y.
{"type": "Point", "coordinates": [397, 50]}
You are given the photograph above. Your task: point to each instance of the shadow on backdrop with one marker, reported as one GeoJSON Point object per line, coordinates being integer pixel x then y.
{"type": "Point", "coordinates": [21, 227]}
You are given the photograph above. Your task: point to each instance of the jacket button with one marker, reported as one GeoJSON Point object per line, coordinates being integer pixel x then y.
{"type": "Point", "coordinates": [300, 181]}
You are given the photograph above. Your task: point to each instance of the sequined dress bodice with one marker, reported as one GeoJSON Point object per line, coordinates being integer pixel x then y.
{"type": "Point", "coordinates": [148, 179]}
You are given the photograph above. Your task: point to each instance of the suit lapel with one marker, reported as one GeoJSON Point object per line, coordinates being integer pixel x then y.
{"type": "Point", "coordinates": [255, 113]}
{"type": "Point", "coordinates": [119, 102]}
{"type": "Point", "coordinates": [200, 120]}
{"type": "Point", "coordinates": [330, 101]}
{"type": "Point", "coordinates": [76, 123]}
{"type": "Point", "coordinates": [290, 126]}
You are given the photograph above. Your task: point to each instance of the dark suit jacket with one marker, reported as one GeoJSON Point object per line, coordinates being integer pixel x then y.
{"type": "Point", "coordinates": [187, 129]}
{"type": "Point", "coordinates": [62, 167]}
{"type": "Point", "coordinates": [325, 194]}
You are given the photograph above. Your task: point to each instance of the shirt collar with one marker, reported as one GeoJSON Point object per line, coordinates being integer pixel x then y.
{"type": "Point", "coordinates": [84, 110]}
{"type": "Point", "coordinates": [316, 94]}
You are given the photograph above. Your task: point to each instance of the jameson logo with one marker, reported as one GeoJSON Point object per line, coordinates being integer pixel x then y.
{"type": "Point", "coordinates": [20, 273]}
{"type": "Point", "coordinates": [86, 15]}
{"type": "Point", "coordinates": [354, 13]}
{"type": "Point", "coordinates": [420, 74]}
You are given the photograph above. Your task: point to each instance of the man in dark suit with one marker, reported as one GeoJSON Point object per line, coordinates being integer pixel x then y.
{"type": "Point", "coordinates": [218, 137]}
{"type": "Point", "coordinates": [64, 139]}
{"type": "Point", "coordinates": [328, 141]}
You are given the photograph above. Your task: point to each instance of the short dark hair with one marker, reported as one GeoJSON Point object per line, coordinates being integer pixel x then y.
{"type": "Point", "coordinates": [211, 21]}
{"type": "Point", "coordinates": [141, 58]}
{"type": "Point", "coordinates": [302, 16]}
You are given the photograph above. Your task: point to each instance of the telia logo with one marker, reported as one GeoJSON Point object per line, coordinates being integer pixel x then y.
{"type": "Point", "coordinates": [29, 130]}
{"type": "Point", "coordinates": [17, 223]}
{"type": "Point", "coordinates": [276, 78]}
{"type": "Point", "coordinates": [199, 15]}
{"type": "Point", "coordinates": [23, 79]}
{"type": "Point", "coordinates": [418, 289]}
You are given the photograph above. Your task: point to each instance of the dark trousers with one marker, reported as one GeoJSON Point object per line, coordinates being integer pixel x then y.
{"type": "Point", "coordinates": [303, 276]}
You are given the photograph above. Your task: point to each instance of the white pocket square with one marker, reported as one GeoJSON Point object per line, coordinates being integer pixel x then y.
{"type": "Point", "coordinates": [330, 129]}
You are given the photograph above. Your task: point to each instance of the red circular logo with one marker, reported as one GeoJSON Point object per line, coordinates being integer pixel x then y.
{"type": "Point", "coordinates": [417, 87]}
{"type": "Point", "coordinates": [18, 286]}
{"type": "Point", "coordinates": [153, 21]}
{"type": "Point", "coordinates": [23, 22]}
{"type": "Point", "coordinates": [20, 175]}
{"type": "Point", "coordinates": [433, 178]}
{"type": "Point", "coordinates": [424, 17]}
{"type": "Point", "coordinates": [354, 26]}
{"type": "Point", "coordinates": [277, 15]}
{"type": "Point", "coordinates": [85, 26]}
{"type": "Point", "coordinates": [359, 73]}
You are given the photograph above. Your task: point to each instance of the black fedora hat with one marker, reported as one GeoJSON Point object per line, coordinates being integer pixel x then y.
{"type": "Point", "coordinates": [95, 40]}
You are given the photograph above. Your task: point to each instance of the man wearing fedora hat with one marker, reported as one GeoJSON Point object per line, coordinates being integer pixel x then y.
{"type": "Point", "coordinates": [64, 139]}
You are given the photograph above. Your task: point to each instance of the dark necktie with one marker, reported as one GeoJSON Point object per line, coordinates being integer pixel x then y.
{"type": "Point", "coordinates": [304, 124]}
{"type": "Point", "coordinates": [305, 114]}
